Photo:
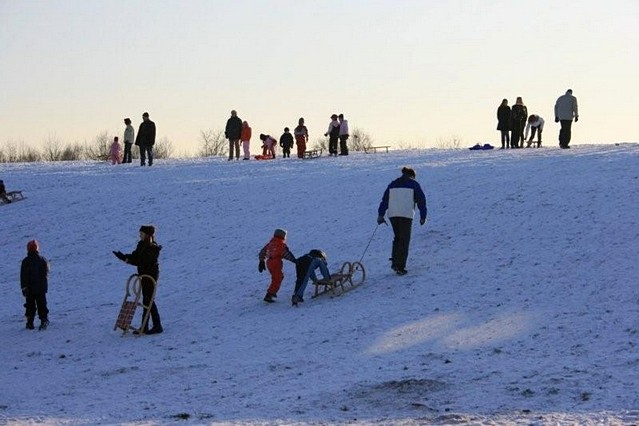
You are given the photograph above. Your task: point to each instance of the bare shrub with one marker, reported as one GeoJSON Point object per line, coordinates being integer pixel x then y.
{"type": "Point", "coordinates": [99, 148]}
{"type": "Point", "coordinates": [72, 152]}
{"type": "Point", "coordinates": [319, 143]}
{"type": "Point", "coordinates": [163, 148]}
{"type": "Point", "coordinates": [213, 143]}
{"type": "Point", "coordinates": [360, 140]}
{"type": "Point", "coordinates": [450, 142]}
{"type": "Point", "coordinates": [52, 149]}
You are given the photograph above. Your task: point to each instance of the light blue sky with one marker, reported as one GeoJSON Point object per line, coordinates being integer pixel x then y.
{"type": "Point", "coordinates": [410, 72]}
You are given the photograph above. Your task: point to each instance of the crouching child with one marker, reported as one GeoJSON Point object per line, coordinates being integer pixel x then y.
{"type": "Point", "coordinates": [305, 268]}
{"type": "Point", "coordinates": [34, 282]}
{"type": "Point", "coordinates": [271, 257]}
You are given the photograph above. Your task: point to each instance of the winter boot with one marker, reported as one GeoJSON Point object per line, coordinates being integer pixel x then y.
{"type": "Point", "coordinates": [30, 324]}
{"type": "Point", "coordinates": [43, 324]}
{"type": "Point", "coordinates": [269, 298]}
{"type": "Point", "coordinates": [296, 299]}
{"type": "Point", "coordinates": [401, 271]}
{"type": "Point", "coordinates": [156, 329]}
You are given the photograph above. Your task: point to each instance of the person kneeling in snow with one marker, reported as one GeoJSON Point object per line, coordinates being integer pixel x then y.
{"type": "Point", "coordinates": [273, 253]}
{"type": "Point", "coordinates": [305, 267]}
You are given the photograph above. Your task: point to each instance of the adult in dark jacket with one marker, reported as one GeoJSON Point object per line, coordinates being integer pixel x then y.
{"type": "Point", "coordinates": [145, 139]}
{"type": "Point", "coordinates": [34, 282]}
{"type": "Point", "coordinates": [566, 109]}
{"type": "Point", "coordinates": [399, 200]}
{"type": "Point", "coordinates": [518, 116]}
{"type": "Point", "coordinates": [233, 132]}
{"type": "Point", "coordinates": [145, 257]}
{"type": "Point", "coordinates": [503, 123]}
{"type": "Point", "coordinates": [333, 135]}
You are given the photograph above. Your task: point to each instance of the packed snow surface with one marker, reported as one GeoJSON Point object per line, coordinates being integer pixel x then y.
{"type": "Point", "coordinates": [519, 306]}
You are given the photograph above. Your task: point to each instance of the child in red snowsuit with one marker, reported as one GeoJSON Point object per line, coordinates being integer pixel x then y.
{"type": "Point", "coordinates": [273, 253]}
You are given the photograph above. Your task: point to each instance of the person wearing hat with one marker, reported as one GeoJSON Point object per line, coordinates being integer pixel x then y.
{"type": "Point", "coordinates": [146, 139]}
{"type": "Point", "coordinates": [398, 202]}
{"type": "Point", "coordinates": [305, 267]}
{"type": "Point", "coordinates": [566, 109]}
{"type": "Point", "coordinates": [333, 135]}
{"type": "Point", "coordinates": [271, 257]}
{"type": "Point", "coordinates": [34, 282]}
{"type": "Point", "coordinates": [145, 257]}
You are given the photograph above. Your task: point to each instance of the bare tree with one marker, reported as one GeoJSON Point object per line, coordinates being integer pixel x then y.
{"type": "Point", "coordinates": [99, 148]}
{"type": "Point", "coordinates": [72, 152]}
{"type": "Point", "coordinates": [450, 142]}
{"type": "Point", "coordinates": [163, 148]}
{"type": "Point", "coordinates": [52, 149]}
{"type": "Point", "coordinates": [213, 143]}
{"type": "Point", "coordinates": [360, 140]}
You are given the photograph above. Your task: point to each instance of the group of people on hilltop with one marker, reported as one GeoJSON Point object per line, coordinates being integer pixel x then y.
{"type": "Point", "coordinates": [238, 132]}
{"type": "Point", "coordinates": [517, 121]}
{"type": "Point", "coordinates": [145, 141]}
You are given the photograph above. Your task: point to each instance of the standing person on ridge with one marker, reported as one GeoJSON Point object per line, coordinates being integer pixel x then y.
{"type": "Point", "coordinates": [145, 257]}
{"type": "Point", "coordinates": [399, 200]}
{"type": "Point", "coordinates": [129, 139]}
{"type": "Point", "coordinates": [503, 123]}
{"type": "Point", "coordinates": [518, 116]}
{"type": "Point", "coordinates": [146, 139]}
{"type": "Point", "coordinates": [286, 142]}
{"type": "Point", "coordinates": [271, 257]}
{"type": "Point", "coordinates": [301, 138]}
{"type": "Point", "coordinates": [343, 135]}
{"type": "Point", "coordinates": [245, 138]}
{"type": "Point", "coordinates": [233, 132]}
{"type": "Point", "coordinates": [333, 135]}
{"type": "Point", "coordinates": [34, 281]}
{"type": "Point", "coordinates": [565, 110]}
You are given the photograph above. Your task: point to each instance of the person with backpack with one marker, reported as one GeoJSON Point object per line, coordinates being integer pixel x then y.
{"type": "Point", "coordinates": [399, 201]}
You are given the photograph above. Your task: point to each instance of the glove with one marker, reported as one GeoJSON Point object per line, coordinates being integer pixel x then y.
{"type": "Point", "coordinates": [120, 255]}
{"type": "Point", "coordinates": [380, 220]}
{"type": "Point", "coordinates": [576, 119]}
{"type": "Point", "coordinates": [261, 267]}
{"type": "Point", "coordinates": [423, 221]}
{"type": "Point", "coordinates": [25, 292]}
{"type": "Point", "coordinates": [556, 119]}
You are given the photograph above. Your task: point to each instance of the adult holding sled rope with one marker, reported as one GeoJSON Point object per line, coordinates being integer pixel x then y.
{"type": "Point", "coordinates": [145, 257]}
{"type": "Point", "coordinates": [399, 202]}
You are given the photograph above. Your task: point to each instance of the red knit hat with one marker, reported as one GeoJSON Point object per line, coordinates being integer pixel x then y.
{"type": "Point", "coordinates": [33, 245]}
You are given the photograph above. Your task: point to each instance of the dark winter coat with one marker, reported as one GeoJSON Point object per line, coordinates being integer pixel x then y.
{"type": "Point", "coordinates": [146, 134]}
{"type": "Point", "coordinates": [518, 116]}
{"type": "Point", "coordinates": [145, 257]}
{"type": "Point", "coordinates": [233, 129]}
{"type": "Point", "coordinates": [503, 117]}
{"type": "Point", "coordinates": [286, 140]}
{"type": "Point", "coordinates": [34, 274]}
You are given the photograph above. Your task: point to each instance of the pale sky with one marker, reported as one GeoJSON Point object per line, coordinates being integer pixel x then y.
{"type": "Point", "coordinates": [407, 72]}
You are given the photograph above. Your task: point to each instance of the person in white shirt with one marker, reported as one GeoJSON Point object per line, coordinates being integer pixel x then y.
{"type": "Point", "coordinates": [129, 139]}
{"type": "Point", "coordinates": [536, 123]}
{"type": "Point", "coordinates": [343, 135]}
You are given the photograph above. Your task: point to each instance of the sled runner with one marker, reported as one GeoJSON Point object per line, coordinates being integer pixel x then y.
{"type": "Point", "coordinates": [350, 276]}
{"type": "Point", "coordinates": [13, 196]}
{"type": "Point", "coordinates": [374, 149]}
{"type": "Point", "coordinates": [133, 299]}
{"type": "Point", "coordinates": [312, 153]}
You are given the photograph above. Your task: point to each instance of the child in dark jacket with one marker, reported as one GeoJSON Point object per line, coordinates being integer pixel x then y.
{"type": "Point", "coordinates": [305, 268]}
{"type": "Point", "coordinates": [145, 257]}
{"type": "Point", "coordinates": [273, 253]}
{"type": "Point", "coordinates": [286, 142]}
{"type": "Point", "coordinates": [34, 282]}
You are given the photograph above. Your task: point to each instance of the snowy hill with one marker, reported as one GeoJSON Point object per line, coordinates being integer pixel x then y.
{"type": "Point", "coordinates": [520, 305]}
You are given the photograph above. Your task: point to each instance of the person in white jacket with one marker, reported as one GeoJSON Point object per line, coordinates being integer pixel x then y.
{"type": "Point", "coordinates": [129, 139]}
{"type": "Point", "coordinates": [565, 110]}
{"type": "Point", "coordinates": [536, 123]}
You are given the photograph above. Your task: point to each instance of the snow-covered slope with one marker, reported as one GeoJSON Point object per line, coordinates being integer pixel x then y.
{"type": "Point", "coordinates": [520, 304]}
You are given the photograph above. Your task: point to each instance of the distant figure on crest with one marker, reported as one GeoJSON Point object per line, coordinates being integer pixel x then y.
{"type": "Point", "coordinates": [115, 152]}
{"type": "Point", "coordinates": [286, 142]}
{"type": "Point", "coordinates": [301, 138]}
{"type": "Point", "coordinates": [233, 132]}
{"type": "Point", "coordinates": [518, 116]}
{"type": "Point", "coordinates": [565, 110]}
{"type": "Point", "coordinates": [503, 123]}
{"type": "Point", "coordinates": [146, 139]}
{"type": "Point", "coordinates": [535, 125]}
{"type": "Point", "coordinates": [245, 138]}
{"type": "Point", "coordinates": [129, 139]}
{"type": "Point", "coordinates": [333, 135]}
{"type": "Point", "coordinates": [343, 135]}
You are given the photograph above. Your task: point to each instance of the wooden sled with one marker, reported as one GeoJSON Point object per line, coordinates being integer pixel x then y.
{"type": "Point", "coordinates": [133, 299]}
{"type": "Point", "coordinates": [350, 276]}
{"type": "Point", "coordinates": [13, 196]}
{"type": "Point", "coordinates": [312, 153]}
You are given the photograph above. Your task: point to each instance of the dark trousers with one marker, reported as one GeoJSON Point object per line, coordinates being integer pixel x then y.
{"type": "Point", "coordinates": [146, 151]}
{"type": "Point", "coordinates": [147, 293]}
{"type": "Point", "coordinates": [534, 130]}
{"type": "Point", "coordinates": [127, 152]}
{"type": "Point", "coordinates": [332, 145]}
{"type": "Point", "coordinates": [517, 137]}
{"type": "Point", "coordinates": [564, 133]}
{"type": "Point", "coordinates": [343, 148]}
{"type": "Point", "coordinates": [36, 302]}
{"type": "Point", "coordinates": [401, 229]}
{"type": "Point", "coordinates": [505, 140]}
{"type": "Point", "coordinates": [286, 152]}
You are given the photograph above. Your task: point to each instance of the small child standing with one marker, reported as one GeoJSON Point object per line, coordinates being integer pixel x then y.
{"type": "Point", "coordinates": [305, 268]}
{"type": "Point", "coordinates": [245, 139]}
{"type": "Point", "coordinates": [273, 253]}
{"type": "Point", "coordinates": [286, 142]}
{"type": "Point", "coordinates": [34, 282]}
{"type": "Point", "coordinates": [301, 138]}
{"type": "Point", "coordinates": [115, 152]}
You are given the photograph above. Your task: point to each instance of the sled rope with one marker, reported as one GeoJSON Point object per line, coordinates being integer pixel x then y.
{"type": "Point", "coordinates": [369, 243]}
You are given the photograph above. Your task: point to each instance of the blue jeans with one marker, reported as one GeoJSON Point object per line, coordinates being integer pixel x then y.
{"type": "Point", "coordinates": [301, 284]}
